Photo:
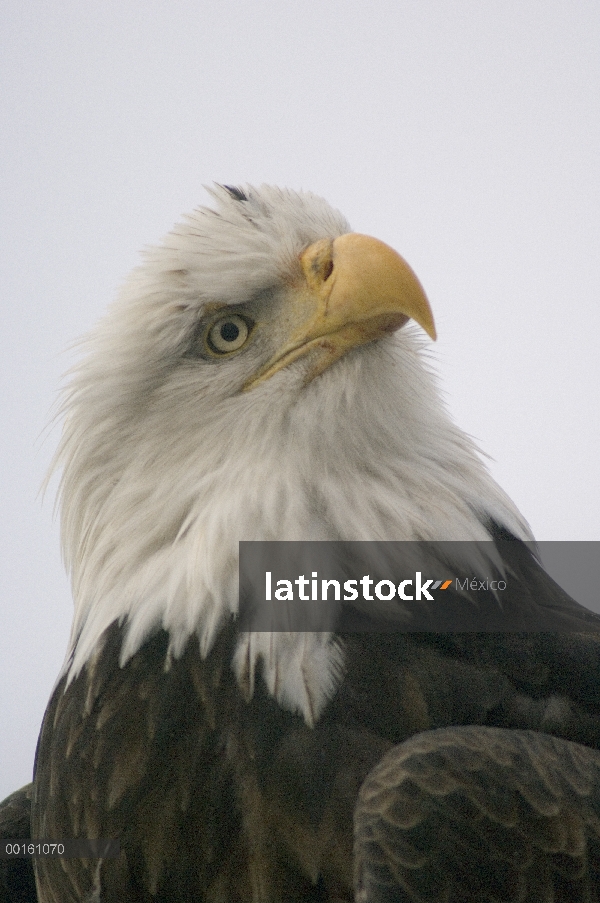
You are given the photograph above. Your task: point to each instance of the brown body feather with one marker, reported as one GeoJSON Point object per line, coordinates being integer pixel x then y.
{"type": "Point", "coordinates": [17, 882]}
{"type": "Point", "coordinates": [473, 813]}
{"type": "Point", "coordinates": [217, 799]}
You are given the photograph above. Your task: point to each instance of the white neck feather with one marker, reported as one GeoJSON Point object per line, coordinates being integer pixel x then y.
{"type": "Point", "coordinates": [152, 529]}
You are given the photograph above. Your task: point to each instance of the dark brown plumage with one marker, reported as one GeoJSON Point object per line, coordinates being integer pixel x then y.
{"type": "Point", "coordinates": [213, 796]}
{"type": "Point", "coordinates": [477, 813]}
{"type": "Point", "coordinates": [17, 883]}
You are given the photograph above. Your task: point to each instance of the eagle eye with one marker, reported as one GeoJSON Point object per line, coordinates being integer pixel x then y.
{"type": "Point", "coordinates": [227, 334]}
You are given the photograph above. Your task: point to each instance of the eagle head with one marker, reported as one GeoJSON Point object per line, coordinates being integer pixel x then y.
{"type": "Point", "coordinates": [262, 375]}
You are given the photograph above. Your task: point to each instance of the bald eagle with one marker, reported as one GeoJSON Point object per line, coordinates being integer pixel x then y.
{"type": "Point", "coordinates": [264, 376]}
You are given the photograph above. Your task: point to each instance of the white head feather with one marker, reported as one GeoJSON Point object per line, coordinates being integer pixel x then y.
{"type": "Point", "coordinates": [167, 465]}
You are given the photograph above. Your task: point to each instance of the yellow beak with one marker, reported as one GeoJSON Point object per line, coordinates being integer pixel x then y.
{"type": "Point", "coordinates": [354, 290]}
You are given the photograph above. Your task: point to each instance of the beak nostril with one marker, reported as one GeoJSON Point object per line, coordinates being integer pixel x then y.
{"type": "Point", "coordinates": [327, 270]}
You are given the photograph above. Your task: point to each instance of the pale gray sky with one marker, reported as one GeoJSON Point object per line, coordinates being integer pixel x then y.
{"type": "Point", "coordinates": [466, 134]}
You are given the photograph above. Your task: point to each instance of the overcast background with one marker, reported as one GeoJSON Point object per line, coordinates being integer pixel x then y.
{"type": "Point", "coordinates": [465, 134]}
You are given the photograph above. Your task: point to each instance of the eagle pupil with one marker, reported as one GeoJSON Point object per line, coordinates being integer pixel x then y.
{"type": "Point", "coordinates": [229, 332]}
